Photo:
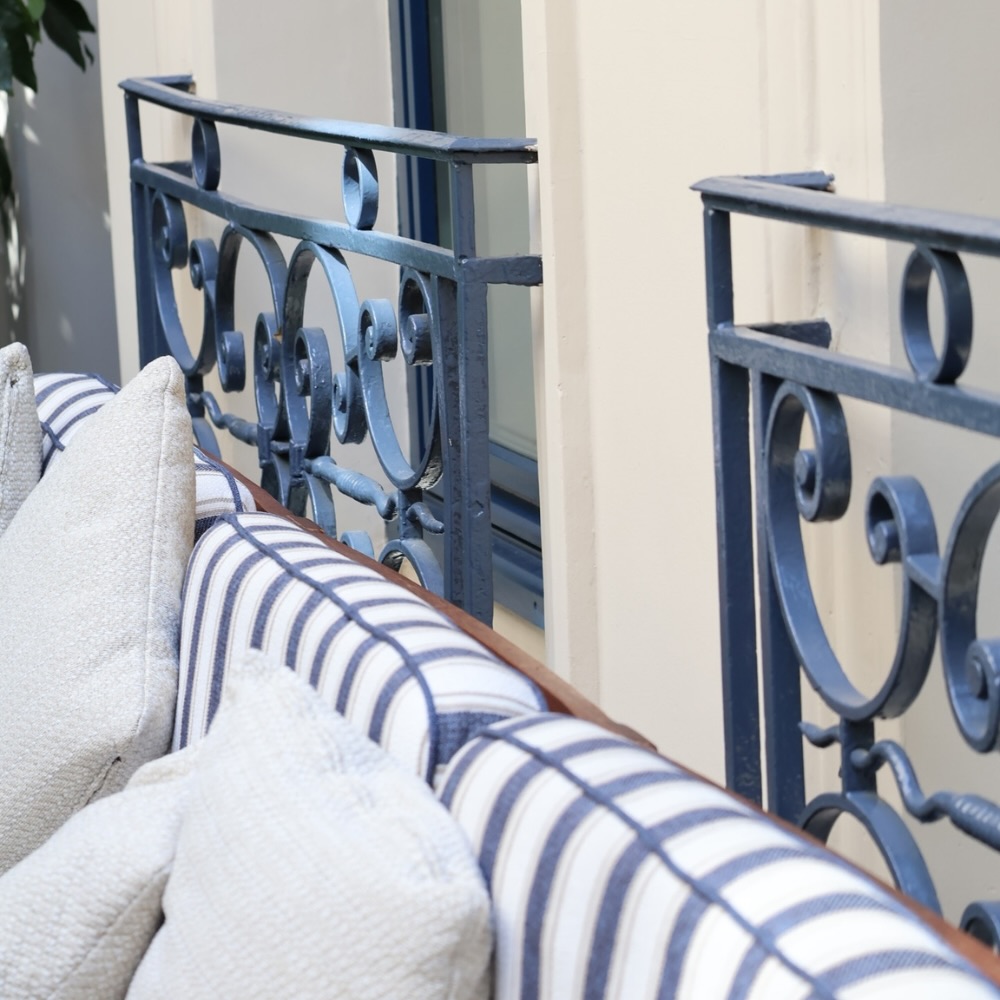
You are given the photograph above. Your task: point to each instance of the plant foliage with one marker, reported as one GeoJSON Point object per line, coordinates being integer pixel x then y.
{"type": "Point", "coordinates": [22, 25]}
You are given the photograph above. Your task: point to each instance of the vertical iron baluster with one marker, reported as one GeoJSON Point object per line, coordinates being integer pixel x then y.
{"type": "Point", "coordinates": [782, 686]}
{"type": "Point", "coordinates": [731, 409]}
{"type": "Point", "coordinates": [151, 345]}
{"type": "Point", "coordinates": [465, 415]}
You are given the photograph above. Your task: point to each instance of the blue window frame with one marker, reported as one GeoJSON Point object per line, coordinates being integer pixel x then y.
{"type": "Point", "coordinates": [419, 100]}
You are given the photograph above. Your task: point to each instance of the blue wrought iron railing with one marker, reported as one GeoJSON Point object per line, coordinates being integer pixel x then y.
{"type": "Point", "coordinates": [776, 377]}
{"type": "Point", "coordinates": [440, 320]}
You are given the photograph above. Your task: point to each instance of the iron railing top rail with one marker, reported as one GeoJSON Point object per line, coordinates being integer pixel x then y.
{"type": "Point", "coordinates": [172, 92]}
{"type": "Point", "coordinates": [806, 199]}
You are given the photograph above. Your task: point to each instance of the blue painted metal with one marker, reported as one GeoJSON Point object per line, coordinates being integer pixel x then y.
{"type": "Point", "coordinates": [768, 381]}
{"type": "Point", "coordinates": [301, 402]}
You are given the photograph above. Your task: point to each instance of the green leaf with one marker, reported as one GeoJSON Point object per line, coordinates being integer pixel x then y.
{"type": "Point", "coordinates": [6, 66]}
{"type": "Point", "coordinates": [22, 59]}
{"type": "Point", "coordinates": [6, 191]}
{"type": "Point", "coordinates": [74, 12]}
{"type": "Point", "coordinates": [63, 21]}
{"type": "Point", "coordinates": [35, 8]}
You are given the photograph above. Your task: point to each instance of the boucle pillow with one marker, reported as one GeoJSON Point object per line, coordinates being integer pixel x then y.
{"type": "Point", "coordinates": [93, 565]}
{"type": "Point", "coordinates": [310, 864]}
{"type": "Point", "coordinates": [77, 915]}
{"type": "Point", "coordinates": [20, 433]}
{"type": "Point", "coordinates": [66, 401]}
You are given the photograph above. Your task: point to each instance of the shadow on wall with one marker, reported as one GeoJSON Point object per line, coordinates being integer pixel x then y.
{"type": "Point", "coordinates": [57, 293]}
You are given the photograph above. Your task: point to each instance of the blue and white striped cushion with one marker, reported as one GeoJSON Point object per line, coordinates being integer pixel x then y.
{"type": "Point", "coordinates": [216, 492]}
{"type": "Point", "coordinates": [399, 670]}
{"type": "Point", "coordinates": [614, 873]}
{"type": "Point", "coordinates": [65, 401]}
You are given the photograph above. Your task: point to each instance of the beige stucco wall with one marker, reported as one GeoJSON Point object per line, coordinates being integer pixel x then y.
{"type": "Point", "coordinates": [629, 111]}
{"type": "Point", "coordinates": [940, 148]}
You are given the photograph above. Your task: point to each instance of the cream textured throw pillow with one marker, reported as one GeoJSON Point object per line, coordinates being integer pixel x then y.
{"type": "Point", "coordinates": [310, 864]}
{"type": "Point", "coordinates": [89, 608]}
{"type": "Point", "coordinates": [77, 915]}
{"type": "Point", "coordinates": [20, 432]}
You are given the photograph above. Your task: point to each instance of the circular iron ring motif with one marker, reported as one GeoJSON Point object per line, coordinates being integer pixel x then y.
{"type": "Point", "coordinates": [170, 252]}
{"type": "Point", "coordinates": [420, 556]}
{"type": "Point", "coordinates": [311, 430]}
{"type": "Point", "coordinates": [416, 308]}
{"type": "Point", "coordinates": [206, 156]}
{"type": "Point", "coordinates": [927, 365]}
{"type": "Point", "coordinates": [230, 341]}
{"type": "Point", "coordinates": [888, 832]}
{"type": "Point", "coordinates": [971, 665]}
{"type": "Point", "coordinates": [816, 486]}
{"type": "Point", "coordinates": [359, 186]}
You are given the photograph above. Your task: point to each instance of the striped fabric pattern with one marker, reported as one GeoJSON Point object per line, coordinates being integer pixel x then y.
{"type": "Point", "coordinates": [66, 400]}
{"type": "Point", "coordinates": [382, 657]}
{"type": "Point", "coordinates": [217, 492]}
{"type": "Point", "coordinates": [614, 873]}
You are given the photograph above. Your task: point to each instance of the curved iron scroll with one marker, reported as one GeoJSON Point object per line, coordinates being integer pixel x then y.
{"type": "Point", "coordinates": [786, 376]}
{"type": "Point", "coordinates": [302, 398]}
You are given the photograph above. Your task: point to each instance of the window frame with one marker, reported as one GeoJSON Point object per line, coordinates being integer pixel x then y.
{"type": "Point", "coordinates": [517, 548]}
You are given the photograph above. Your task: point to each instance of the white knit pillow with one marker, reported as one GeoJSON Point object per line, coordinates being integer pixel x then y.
{"type": "Point", "coordinates": [89, 606]}
{"type": "Point", "coordinates": [310, 864]}
{"type": "Point", "coordinates": [20, 433]}
{"type": "Point", "coordinates": [77, 915]}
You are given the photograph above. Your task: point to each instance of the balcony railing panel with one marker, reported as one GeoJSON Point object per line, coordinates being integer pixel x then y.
{"type": "Point", "coordinates": [770, 381]}
{"type": "Point", "coordinates": [438, 319]}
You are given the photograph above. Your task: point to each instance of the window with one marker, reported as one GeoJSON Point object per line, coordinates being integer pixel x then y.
{"type": "Point", "coordinates": [458, 68]}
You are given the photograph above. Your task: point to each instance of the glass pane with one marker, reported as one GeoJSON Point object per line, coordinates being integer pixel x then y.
{"type": "Point", "coordinates": [479, 91]}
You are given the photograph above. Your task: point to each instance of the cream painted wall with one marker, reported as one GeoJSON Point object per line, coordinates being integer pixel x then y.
{"type": "Point", "coordinates": [629, 111]}
{"type": "Point", "coordinates": [940, 149]}
{"type": "Point", "coordinates": [231, 48]}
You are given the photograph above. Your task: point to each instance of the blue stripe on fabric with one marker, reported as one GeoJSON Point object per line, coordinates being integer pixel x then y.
{"type": "Point", "coordinates": [353, 665]}
{"type": "Point", "coordinates": [270, 595]}
{"type": "Point", "coordinates": [707, 892]}
{"type": "Point", "coordinates": [877, 963]}
{"type": "Point", "coordinates": [57, 440]}
{"type": "Point", "coordinates": [789, 919]}
{"type": "Point", "coordinates": [620, 882]}
{"type": "Point", "coordinates": [412, 663]}
{"type": "Point", "coordinates": [697, 905]}
{"type": "Point", "coordinates": [311, 603]}
{"type": "Point", "coordinates": [230, 479]}
{"type": "Point", "coordinates": [515, 785]}
{"type": "Point", "coordinates": [503, 804]}
{"type": "Point", "coordinates": [318, 661]}
{"type": "Point", "coordinates": [691, 912]}
{"type": "Point", "coordinates": [457, 728]}
{"type": "Point", "coordinates": [471, 754]}
{"type": "Point", "coordinates": [224, 624]}
{"type": "Point", "coordinates": [69, 379]}
{"type": "Point", "coordinates": [616, 787]}
{"type": "Point", "coordinates": [545, 868]}
{"type": "Point", "coordinates": [206, 578]}
{"type": "Point", "coordinates": [73, 400]}
{"type": "Point", "coordinates": [54, 440]}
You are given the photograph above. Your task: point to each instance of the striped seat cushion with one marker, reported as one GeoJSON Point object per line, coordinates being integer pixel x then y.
{"type": "Point", "coordinates": [614, 873]}
{"type": "Point", "coordinates": [65, 401]}
{"type": "Point", "coordinates": [384, 658]}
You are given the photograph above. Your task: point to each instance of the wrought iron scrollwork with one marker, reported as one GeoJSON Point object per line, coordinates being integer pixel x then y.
{"type": "Point", "coordinates": [303, 399]}
{"type": "Point", "coordinates": [796, 379]}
